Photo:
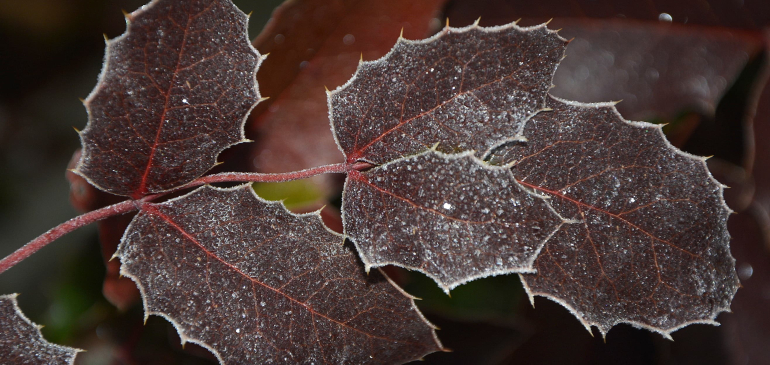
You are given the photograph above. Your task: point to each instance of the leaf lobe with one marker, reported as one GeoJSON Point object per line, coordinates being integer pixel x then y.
{"type": "Point", "coordinates": [174, 92]}
{"type": "Point", "coordinates": [277, 287]}
{"type": "Point", "coordinates": [651, 248]}
{"type": "Point", "coordinates": [465, 88]}
{"type": "Point", "coordinates": [452, 217]}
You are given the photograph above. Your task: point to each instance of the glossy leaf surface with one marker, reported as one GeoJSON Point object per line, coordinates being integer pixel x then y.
{"type": "Point", "coordinates": [465, 89]}
{"type": "Point", "coordinates": [452, 217]}
{"type": "Point", "coordinates": [174, 92]}
{"type": "Point", "coordinates": [650, 242]}
{"type": "Point", "coordinates": [21, 341]}
{"type": "Point", "coordinates": [255, 283]}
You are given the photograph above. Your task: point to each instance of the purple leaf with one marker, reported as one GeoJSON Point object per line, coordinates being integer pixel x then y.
{"type": "Point", "coordinates": [255, 283]}
{"type": "Point", "coordinates": [174, 92]}
{"type": "Point", "coordinates": [452, 217]}
{"type": "Point", "coordinates": [650, 246]}
{"type": "Point", "coordinates": [21, 341]}
{"type": "Point", "coordinates": [466, 89]}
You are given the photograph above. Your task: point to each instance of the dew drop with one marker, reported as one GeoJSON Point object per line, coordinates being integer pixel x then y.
{"type": "Point", "coordinates": [745, 271]}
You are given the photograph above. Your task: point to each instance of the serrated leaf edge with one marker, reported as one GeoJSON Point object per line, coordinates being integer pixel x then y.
{"type": "Point", "coordinates": [106, 64]}
{"type": "Point", "coordinates": [666, 333]}
{"type": "Point", "coordinates": [184, 338]}
{"type": "Point", "coordinates": [447, 29]}
{"type": "Point", "coordinates": [447, 287]}
{"type": "Point", "coordinates": [15, 303]}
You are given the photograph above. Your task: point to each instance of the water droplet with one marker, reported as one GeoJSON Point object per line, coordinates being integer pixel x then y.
{"type": "Point", "coordinates": [237, 330]}
{"type": "Point", "coordinates": [262, 304]}
{"type": "Point", "coordinates": [745, 271]}
{"type": "Point", "coordinates": [447, 206]}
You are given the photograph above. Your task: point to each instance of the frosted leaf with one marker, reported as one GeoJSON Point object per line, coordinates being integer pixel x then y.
{"type": "Point", "coordinates": [257, 284]}
{"type": "Point", "coordinates": [174, 92]}
{"type": "Point", "coordinates": [465, 89]}
{"type": "Point", "coordinates": [652, 248]}
{"type": "Point", "coordinates": [452, 217]}
{"type": "Point", "coordinates": [21, 341]}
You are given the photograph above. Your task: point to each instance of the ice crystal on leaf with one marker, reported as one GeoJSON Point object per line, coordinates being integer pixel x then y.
{"type": "Point", "coordinates": [460, 165]}
{"type": "Point", "coordinates": [21, 341]}
{"type": "Point", "coordinates": [651, 246]}
{"type": "Point", "coordinates": [174, 92]}
{"type": "Point", "coordinates": [255, 283]}
{"type": "Point", "coordinates": [635, 230]}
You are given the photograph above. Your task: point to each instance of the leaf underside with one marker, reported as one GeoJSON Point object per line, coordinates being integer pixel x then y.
{"type": "Point", "coordinates": [650, 244]}
{"type": "Point", "coordinates": [174, 92]}
{"type": "Point", "coordinates": [255, 283]}
{"type": "Point", "coordinates": [21, 341]}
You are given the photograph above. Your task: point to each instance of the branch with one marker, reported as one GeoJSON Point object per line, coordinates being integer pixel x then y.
{"type": "Point", "coordinates": [338, 168]}
{"type": "Point", "coordinates": [132, 205]}
{"type": "Point", "coordinates": [64, 228]}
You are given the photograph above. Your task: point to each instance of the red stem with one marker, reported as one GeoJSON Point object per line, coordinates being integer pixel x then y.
{"type": "Point", "coordinates": [131, 205]}
{"type": "Point", "coordinates": [64, 228]}
{"type": "Point", "coordinates": [264, 177]}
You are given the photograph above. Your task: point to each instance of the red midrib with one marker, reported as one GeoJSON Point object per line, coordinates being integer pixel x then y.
{"type": "Point", "coordinates": [640, 229]}
{"type": "Point", "coordinates": [142, 190]}
{"type": "Point", "coordinates": [359, 151]}
{"type": "Point", "coordinates": [151, 209]}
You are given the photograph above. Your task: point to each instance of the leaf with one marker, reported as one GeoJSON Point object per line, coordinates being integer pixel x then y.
{"type": "Point", "coordinates": [639, 63]}
{"type": "Point", "coordinates": [650, 242]}
{"type": "Point", "coordinates": [450, 216]}
{"type": "Point", "coordinates": [21, 341]}
{"type": "Point", "coordinates": [313, 44]}
{"type": "Point", "coordinates": [465, 88]}
{"type": "Point", "coordinates": [747, 15]}
{"type": "Point", "coordinates": [747, 330]}
{"type": "Point", "coordinates": [174, 92]}
{"type": "Point", "coordinates": [254, 283]}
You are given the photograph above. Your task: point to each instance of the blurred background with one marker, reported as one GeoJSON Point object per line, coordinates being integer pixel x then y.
{"type": "Point", "coordinates": [699, 66]}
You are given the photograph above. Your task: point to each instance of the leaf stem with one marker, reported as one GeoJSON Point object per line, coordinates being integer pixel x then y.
{"type": "Point", "coordinates": [132, 205]}
{"type": "Point", "coordinates": [338, 168]}
{"type": "Point", "coordinates": [64, 228]}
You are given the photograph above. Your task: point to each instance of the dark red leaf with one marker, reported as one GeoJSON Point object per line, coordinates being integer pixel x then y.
{"type": "Point", "coordinates": [751, 14]}
{"type": "Point", "coordinates": [255, 283]}
{"type": "Point", "coordinates": [465, 89]}
{"type": "Point", "coordinates": [174, 92]}
{"type": "Point", "coordinates": [658, 70]}
{"type": "Point", "coordinates": [650, 246]}
{"type": "Point", "coordinates": [21, 341]}
{"type": "Point", "coordinates": [452, 217]}
{"type": "Point", "coordinates": [313, 44]}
